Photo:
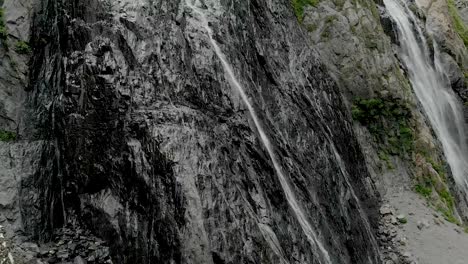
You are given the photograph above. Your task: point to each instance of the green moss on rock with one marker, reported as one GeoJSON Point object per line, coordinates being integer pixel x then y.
{"type": "Point", "coordinates": [3, 29]}
{"type": "Point", "coordinates": [423, 190]}
{"type": "Point", "coordinates": [388, 120]}
{"type": "Point", "coordinates": [7, 136]}
{"type": "Point", "coordinates": [300, 5]}
{"type": "Point", "coordinates": [432, 185]}
{"type": "Point", "coordinates": [458, 24]}
{"type": "Point", "coordinates": [22, 47]}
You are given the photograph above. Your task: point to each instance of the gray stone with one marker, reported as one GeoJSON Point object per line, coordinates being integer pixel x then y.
{"type": "Point", "coordinates": [422, 224]}
{"type": "Point", "coordinates": [402, 218]}
{"type": "Point", "coordinates": [385, 211]}
{"type": "Point", "coordinates": [79, 260]}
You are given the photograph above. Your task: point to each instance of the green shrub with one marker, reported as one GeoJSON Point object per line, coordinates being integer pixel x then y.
{"type": "Point", "coordinates": [22, 47]}
{"type": "Point", "coordinates": [299, 6]}
{"type": "Point", "coordinates": [7, 136]}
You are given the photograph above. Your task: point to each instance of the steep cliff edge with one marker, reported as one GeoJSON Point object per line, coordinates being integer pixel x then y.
{"type": "Point", "coordinates": [142, 138]}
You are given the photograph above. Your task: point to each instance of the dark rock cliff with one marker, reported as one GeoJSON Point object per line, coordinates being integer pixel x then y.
{"type": "Point", "coordinates": [146, 144]}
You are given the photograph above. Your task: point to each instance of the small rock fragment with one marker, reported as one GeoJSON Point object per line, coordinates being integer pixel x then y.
{"type": "Point", "coordinates": [79, 260]}
{"type": "Point", "coordinates": [402, 219]}
{"type": "Point", "coordinates": [386, 210]}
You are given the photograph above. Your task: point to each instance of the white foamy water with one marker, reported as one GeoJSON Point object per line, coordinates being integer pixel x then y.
{"type": "Point", "coordinates": [432, 90]}
{"type": "Point", "coordinates": [290, 197]}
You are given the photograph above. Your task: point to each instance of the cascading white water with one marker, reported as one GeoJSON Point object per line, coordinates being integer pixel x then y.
{"type": "Point", "coordinates": [290, 197]}
{"type": "Point", "coordinates": [433, 90]}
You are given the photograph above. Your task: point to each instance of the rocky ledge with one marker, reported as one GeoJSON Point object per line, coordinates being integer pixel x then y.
{"type": "Point", "coordinates": [71, 245]}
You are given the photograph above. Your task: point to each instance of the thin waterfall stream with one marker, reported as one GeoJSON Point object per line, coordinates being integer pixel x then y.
{"type": "Point", "coordinates": [290, 197]}
{"type": "Point", "coordinates": [432, 90]}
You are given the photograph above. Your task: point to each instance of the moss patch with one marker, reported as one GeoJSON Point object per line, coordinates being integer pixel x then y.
{"type": "Point", "coordinates": [22, 47]}
{"type": "Point", "coordinates": [3, 29]}
{"type": "Point", "coordinates": [423, 190]}
{"type": "Point", "coordinates": [312, 27]}
{"type": "Point", "coordinates": [383, 155]}
{"type": "Point", "coordinates": [300, 5]}
{"type": "Point", "coordinates": [433, 187]}
{"type": "Point", "coordinates": [7, 136]}
{"type": "Point", "coordinates": [458, 24]}
{"type": "Point", "coordinates": [388, 120]}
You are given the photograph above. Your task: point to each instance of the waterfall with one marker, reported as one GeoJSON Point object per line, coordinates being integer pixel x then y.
{"type": "Point", "coordinates": [290, 197]}
{"type": "Point", "coordinates": [432, 90]}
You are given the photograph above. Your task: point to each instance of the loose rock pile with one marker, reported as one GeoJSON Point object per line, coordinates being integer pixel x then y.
{"type": "Point", "coordinates": [75, 246]}
{"type": "Point", "coordinates": [392, 244]}
{"type": "Point", "coordinates": [70, 245]}
{"type": "Point", "coordinates": [5, 255]}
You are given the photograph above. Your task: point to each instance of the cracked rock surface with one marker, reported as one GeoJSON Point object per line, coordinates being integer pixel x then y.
{"type": "Point", "coordinates": [143, 142]}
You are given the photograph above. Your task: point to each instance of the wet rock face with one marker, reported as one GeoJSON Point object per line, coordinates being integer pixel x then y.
{"type": "Point", "coordinates": [148, 146]}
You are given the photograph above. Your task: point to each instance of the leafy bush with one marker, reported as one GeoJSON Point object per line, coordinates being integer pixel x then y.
{"type": "Point", "coordinates": [299, 6]}
{"type": "Point", "coordinates": [22, 47]}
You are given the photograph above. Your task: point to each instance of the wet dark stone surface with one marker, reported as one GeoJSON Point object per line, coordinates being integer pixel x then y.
{"type": "Point", "coordinates": [148, 147]}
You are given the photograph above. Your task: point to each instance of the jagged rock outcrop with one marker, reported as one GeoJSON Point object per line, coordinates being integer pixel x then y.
{"type": "Point", "coordinates": [144, 142]}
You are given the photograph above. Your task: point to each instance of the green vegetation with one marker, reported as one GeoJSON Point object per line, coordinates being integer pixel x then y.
{"type": "Point", "coordinates": [3, 30]}
{"type": "Point", "coordinates": [312, 27]}
{"type": "Point", "coordinates": [339, 3]}
{"type": "Point", "coordinates": [22, 47]}
{"type": "Point", "coordinates": [466, 78]}
{"type": "Point", "coordinates": [448, 207]}
{"type": "Point", "coordinates": [448, 215]}
{"type": "Point", "coordinates": [300, 5]}
{"type": "Point", "coordinates": [330, 19]}
{"type": "Point", "coordinates": [393, 128]}
{"type": "Point", "coordinates": [434, 188]}
{"type": "Point", "coordinates": [439, 168]}
{"type": "Point", "coordinates": [388, 120]}
{"type": "Point", "coordinates": [383, 155]}
{"type": "Point", "coordinates": [424, 191]}
{"type": "Point", "coordinates": [325, 33]}
{"type": "Point", "coordinates": [460, 27]}
{"type": "Point", "coordinates": [403, 220]}
{"type": "Point", "coordinates": [7, 136]}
